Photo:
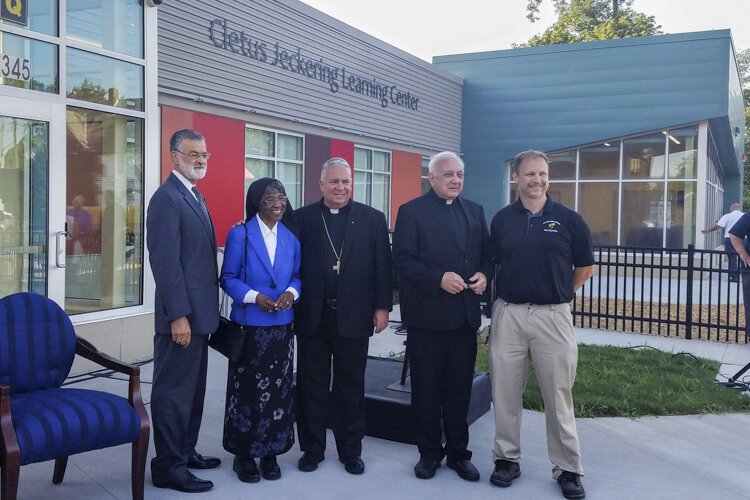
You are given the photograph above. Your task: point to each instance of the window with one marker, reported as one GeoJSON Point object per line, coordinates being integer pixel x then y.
{"type": "Point", "coordinates": [425, 180]}
{"type": "Point", "coordinates": [105, 78]}
{"type": "Point", "coordinates": [275, 154]}
{"type": "Point", "coordinates": [27, 63]}
{"type": "Point", "coordinates": [372, 178]}
{"type": "Point", "coordinates": [104, 256]}
{"type": "Point", "coordinates": [638, 191]}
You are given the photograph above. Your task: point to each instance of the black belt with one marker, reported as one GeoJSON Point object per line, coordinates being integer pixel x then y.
{"type": "Point", "coordinates": [331, 303]}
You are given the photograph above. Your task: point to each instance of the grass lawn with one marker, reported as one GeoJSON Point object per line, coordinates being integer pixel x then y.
{"type": "Point", "coordinates": [634, 382]}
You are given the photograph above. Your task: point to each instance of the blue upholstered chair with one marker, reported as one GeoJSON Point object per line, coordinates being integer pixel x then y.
{"type": "Point", "coordinates": [40, 420]}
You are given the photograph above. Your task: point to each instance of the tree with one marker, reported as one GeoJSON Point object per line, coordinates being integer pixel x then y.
{"type": "Point", "coordinates": [586, 20]}
{"type": "Point", "coordinates": [743, 62]}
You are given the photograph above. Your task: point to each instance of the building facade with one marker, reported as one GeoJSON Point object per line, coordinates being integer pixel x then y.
{"type": "Point", "coordinates": [644, 134]}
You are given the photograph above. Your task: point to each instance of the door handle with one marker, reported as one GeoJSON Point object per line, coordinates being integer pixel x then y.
{"type": "Point", "coordinates": [60, 250]}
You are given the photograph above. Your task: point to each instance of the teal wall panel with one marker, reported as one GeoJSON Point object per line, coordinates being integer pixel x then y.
{"type": "Point", "coordinates": [555, 97]}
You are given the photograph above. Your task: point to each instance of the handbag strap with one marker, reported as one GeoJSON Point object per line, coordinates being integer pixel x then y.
{"type": "Point", "coordinates": [244, 265]}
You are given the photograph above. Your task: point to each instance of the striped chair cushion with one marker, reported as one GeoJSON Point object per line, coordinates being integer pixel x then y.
{"type": "Point", "coordinates": [57, 423]}
{"type": "Point", "coordinates": [37, 343]}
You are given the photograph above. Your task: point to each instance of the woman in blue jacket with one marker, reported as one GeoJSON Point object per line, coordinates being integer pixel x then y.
{"type": "Point", "coordinates": [261, 275]}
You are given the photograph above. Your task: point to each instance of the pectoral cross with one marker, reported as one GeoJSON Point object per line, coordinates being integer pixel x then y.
{"type": "Point", "coordinates": [337, 267]}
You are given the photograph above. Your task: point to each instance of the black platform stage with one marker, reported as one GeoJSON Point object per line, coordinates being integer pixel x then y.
{"type": "Point", "coordinates": [388, 410]}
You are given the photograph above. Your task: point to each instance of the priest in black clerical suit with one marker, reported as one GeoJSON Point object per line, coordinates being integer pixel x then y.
{"type": "Point", "coordinates": [442, 255]}
{"type": "Point", "coordinates": [347, 282]}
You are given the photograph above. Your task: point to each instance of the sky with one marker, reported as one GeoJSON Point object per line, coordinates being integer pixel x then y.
{"type": "Point", "coordinates": [439, 27]}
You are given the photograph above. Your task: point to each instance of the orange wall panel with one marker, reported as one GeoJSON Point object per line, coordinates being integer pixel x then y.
{"type": "Point", "coordinates": [406, 178]}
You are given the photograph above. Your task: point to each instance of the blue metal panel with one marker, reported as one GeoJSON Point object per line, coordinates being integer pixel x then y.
{"type": "Point", "coordinates": [562, 96]}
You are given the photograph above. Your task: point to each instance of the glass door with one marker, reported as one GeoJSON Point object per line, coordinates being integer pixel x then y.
{"type": "Point", "coordinates": [28, 244]}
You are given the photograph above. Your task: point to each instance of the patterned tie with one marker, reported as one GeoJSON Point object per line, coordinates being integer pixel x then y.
{"type": "Point", "coordinates": [202, 203]}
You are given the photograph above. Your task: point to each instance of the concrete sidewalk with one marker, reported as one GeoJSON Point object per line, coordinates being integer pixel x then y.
{"type": "Point", "coordinates": [697, 457]}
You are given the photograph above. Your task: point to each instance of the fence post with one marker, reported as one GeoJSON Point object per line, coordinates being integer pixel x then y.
{"type": "Point", "coordinates": [689, 293]}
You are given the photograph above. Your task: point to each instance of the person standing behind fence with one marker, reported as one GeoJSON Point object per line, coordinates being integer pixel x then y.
{"type": "Point", "coordinates": [738, 236]}
{"type": "Point", "coordinates": [545, 253]}
{"type": "Point", "coordinates": [727, 221]}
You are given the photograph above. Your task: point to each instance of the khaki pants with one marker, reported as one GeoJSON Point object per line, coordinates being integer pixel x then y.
{"type": "Point", "coordinates": [546, 334]}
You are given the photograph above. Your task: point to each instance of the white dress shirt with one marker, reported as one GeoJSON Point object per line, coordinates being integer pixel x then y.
{"type": "Point", "coordinates": [270, 236]}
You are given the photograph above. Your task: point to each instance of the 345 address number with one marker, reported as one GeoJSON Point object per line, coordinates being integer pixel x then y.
{"type": "Point", "coordinates": [15, 67]}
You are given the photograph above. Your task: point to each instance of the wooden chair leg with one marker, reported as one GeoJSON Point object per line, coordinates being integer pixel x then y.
{"type": "Point", "coordinates": [138, 473]}
{"type": "Point", "coordinates": [60, 465]}
{"type": "Point", "coordinates": [9, 478]}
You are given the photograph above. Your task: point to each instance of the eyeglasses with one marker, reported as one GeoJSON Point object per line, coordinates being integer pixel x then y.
{"type": "Point", "coordinates": [193, 155]}
{"type": "Point", "coordinates": [269, 202]}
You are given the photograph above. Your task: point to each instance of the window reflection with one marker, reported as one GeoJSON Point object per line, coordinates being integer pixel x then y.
{"type": "Point", "coordinates": [598, 206]}
{"type": "Point", "coordinates": [562, 166]}
{"type": "Point", "coordinates": [105, 221]}
{"type": "Point", "coordinates": [642, 214]}
{"type": "Point", "coordinates": [601, 161]}
{"type": "Point", "coordinates": [563, 192]}
{"type": "Point", "coordinates": [41, 59]}
{"type": "Point", "coordinates": [643, 157]}
{"type": "Point", "coordinates": [683, 153]}
{"type": "Point", "coordinates": [24, 158]}
{"type": "Point", "coordinates": [103, 80]}
{"type": "Point", "coordinates": [116, 26]}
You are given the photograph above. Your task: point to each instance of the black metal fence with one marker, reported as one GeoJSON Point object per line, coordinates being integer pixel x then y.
{"type": "Point", "coordinates": [679, 292]}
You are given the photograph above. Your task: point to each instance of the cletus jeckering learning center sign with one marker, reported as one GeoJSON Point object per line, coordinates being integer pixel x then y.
{"type": "Point", "coordinates": [336, 77]}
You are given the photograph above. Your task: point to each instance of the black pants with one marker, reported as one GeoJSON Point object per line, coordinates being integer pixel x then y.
{"type": "Point", "coordinates": [177, 394]}
{"type": "Point", "coordinates": [746, 298]}
{"type": "Point", "coordinates": [347, 397]}
{"type": "Point", "coordinates": [442, 370]}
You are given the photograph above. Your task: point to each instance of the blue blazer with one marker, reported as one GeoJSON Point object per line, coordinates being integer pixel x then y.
{"type": "Point", "coordinates": [261, 276]}
{"type": "Point", "coordinates": [182, 253]}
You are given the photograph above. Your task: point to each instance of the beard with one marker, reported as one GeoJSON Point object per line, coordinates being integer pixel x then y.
{"type": "Point", "coordinates": [191, 171]}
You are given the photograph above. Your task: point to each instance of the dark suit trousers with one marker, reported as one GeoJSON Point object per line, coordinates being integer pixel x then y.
{"type": "Point", "coordinates": [177, 395]}
{"type": "Point", "coordinates": [348, 394]}
{"type": "Point", "coordinates": [442, 370]}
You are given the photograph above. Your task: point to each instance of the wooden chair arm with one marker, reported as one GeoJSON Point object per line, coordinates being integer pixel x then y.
{"type": "Point", "coordinates": [9, 453]}
{"type": "Point", "coordinates": [86, 349]}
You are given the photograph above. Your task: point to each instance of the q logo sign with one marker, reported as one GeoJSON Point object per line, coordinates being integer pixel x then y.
{"type": "Point", "coordinates": [14, 11]}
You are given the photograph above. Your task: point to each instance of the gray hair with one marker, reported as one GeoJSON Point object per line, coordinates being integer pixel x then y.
{"type": "Point", "coordinates": [333, 161]}
{"type": "Point", "coordinates": [531, 154]}
{"type": "Point", "coordinates": [441, 157]}
{"type": "Point", "coordinates": [175, 142]}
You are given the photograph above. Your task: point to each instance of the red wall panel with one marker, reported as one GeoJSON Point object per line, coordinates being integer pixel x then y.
{"type": "Point", "coordinates": [406, 177]}
{"type": "Point", "coordinates": [224, 184]}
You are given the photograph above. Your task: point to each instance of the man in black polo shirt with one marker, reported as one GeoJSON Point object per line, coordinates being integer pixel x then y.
{"type": "Point", "coordinates": [545, 253]}
{"type": "Point", "coordinates": [738, 236]}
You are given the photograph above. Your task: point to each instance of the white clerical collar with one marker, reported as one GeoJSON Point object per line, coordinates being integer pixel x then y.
{"type": "Point", "coordinates": [334, 211]}
{"type": "Point", "coordinates": [449, 202]}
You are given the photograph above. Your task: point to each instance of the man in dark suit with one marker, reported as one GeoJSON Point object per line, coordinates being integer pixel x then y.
{"type": "Point", "coordinates": [442, 255]}
{"type": "Point", "coordinates": [182, 253]}
{"type": "Point", "coordinates": [346, 275]}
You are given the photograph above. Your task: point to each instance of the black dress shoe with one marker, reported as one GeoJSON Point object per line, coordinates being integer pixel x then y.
{"type": "Point", "coordinates": [464, 468]}
{"type": "Point", "coordinates": [270, 469]}
{"type": "Point", "coordinates": [246, 470]}
{"type": "Point", "coordinates": [187, 484]}
{"type": "Point", "coordinates": [426, 467]}
{"type": "Point", "coordinates": [505, 472]}
{"type": "Point", "coordinates": [353, 465]}
{"type": "Point", "coordinates": [309, 462]}
{"type": "Point", "coordinates": [198, 461]}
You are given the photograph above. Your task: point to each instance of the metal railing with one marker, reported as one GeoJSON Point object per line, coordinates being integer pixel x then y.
{"type": "Point", "coordinates": [679, 292]}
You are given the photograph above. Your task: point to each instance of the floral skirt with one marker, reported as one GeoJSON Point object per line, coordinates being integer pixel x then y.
{"type": "Point", "coordinates": [259, 414]}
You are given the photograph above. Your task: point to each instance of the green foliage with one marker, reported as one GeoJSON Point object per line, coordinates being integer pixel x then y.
{"type": "Point", "coordinates": [615, 381]}
{"type": "Point", "coordinates": [743, 62]}
{"type": "Point", "coordinates": [586, 20]}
